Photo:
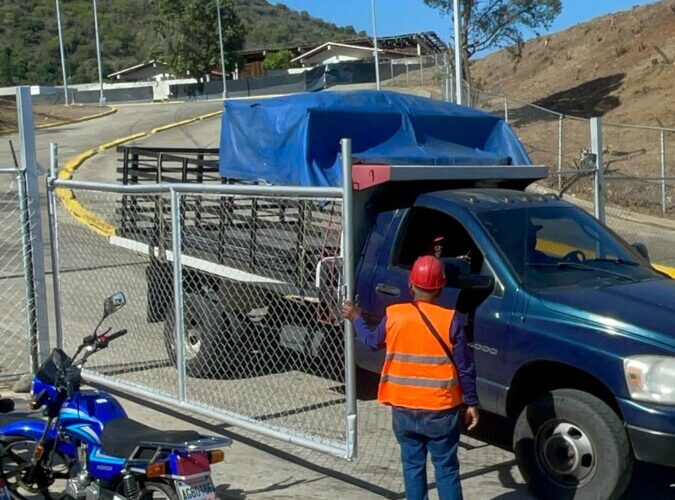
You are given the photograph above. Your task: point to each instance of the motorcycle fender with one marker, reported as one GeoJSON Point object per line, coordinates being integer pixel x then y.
{"type": "Point", "coordinates": [33, 429]}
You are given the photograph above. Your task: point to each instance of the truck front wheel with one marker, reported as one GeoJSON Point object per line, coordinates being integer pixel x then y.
{"type": "Point", "coordinates": [570, 444]}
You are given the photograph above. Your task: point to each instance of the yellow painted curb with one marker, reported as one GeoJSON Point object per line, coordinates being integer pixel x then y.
{"type": "Point", "coordinates": [67, 197]}
{"type": "Point", "coordinates": [121, 140]}
{"type": "Point", "coordinates": [73, 206]}
{"type": "Point", "coordinates": [173, 125]}
{"type": "Point", "coordinates": [670, 271]}
{"type": "Point", "coordinates": [209, 115]}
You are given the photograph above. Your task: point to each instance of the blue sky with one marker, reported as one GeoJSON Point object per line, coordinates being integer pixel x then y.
{"type": "Point", "coordinates": [407, 16]}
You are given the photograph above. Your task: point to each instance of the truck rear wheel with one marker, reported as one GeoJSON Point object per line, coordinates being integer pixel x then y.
{"type": "Point", "coordinates": [570, 444]}
{"type": "Point", "coordinates": [213, 338]}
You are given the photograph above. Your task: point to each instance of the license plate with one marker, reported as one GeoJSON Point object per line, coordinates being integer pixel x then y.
{"type": "Point", "coordinates": [202, 490]}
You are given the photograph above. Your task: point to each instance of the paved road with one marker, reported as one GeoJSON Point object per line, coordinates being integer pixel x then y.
{"type": "Point", "coordinates": [129, 119]}
{"type": "Point", "coordinates": [256, 467]}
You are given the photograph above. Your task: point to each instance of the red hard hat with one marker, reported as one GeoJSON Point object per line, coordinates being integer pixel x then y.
{"type": "Point", "coordinates": [428, 273]}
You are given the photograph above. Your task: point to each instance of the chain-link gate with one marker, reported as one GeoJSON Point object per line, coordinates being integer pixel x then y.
{"type": "Point", "coordinates": [245, 326]}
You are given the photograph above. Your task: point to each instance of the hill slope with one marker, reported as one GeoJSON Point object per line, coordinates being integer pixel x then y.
{"type": "Point", "coordinates": [29, 50]}
{"type": "Point", "coordinates": [269, 26]}
{"type": "Point", "coordinates": [620, 65]}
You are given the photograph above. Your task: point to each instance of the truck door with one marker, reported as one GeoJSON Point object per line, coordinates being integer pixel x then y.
{"type": "Point", "coordinates": [489, 322]}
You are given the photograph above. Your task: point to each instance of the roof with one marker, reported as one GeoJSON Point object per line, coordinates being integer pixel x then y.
{"type": "Point", "coordinates": [295, 140]}
{"type": "Point", "coordinates": [346, 49]}
{"type": "Point", "coordinates": [151, 63]}
{"type": "Point", "coordinates": [429, 42]}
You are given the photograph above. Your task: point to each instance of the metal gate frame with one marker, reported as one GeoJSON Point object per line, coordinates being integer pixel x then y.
{"type": "Point", "coordinates": [26, 172]}
{"type": "Point", "coordinates": [346, 449]}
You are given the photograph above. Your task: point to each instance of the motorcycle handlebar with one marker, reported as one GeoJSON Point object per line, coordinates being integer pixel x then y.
{"type": "Point", "coordinates": [115, 335]}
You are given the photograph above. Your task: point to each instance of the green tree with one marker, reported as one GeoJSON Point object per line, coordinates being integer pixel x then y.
{"type": "Point", "coordinates": [278, 60]}
{"type": "Point", "coordinates": [497, 23]}
{"type": "Point", "coordinates": [188, 32]}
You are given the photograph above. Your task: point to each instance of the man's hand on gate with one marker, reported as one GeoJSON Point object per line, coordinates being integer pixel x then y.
{"type": "Point", "coordinates": [350, 311]}
{"type": "Point", "coordinates": [471, 417]}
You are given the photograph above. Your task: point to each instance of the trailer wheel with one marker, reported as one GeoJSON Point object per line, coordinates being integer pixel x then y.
{"type": "Point", "coordinates": [213, 338]}
{"type": "Point", "coordinates": [570, 444]}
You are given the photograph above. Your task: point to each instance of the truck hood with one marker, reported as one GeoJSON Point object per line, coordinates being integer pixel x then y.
{"type": "Point", "coordinates": [645, 309]}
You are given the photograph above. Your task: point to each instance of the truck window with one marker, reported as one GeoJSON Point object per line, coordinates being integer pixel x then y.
{"type": "Point", "coordinates": [425, 230]}
{"type": "Point", "coordinates": [562, 246]}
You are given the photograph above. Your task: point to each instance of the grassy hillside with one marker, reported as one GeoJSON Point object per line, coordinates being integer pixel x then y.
{"type": "Point", "coordinates": [270, 26]}
{"type": "Point", "coordinates": [29, 51]}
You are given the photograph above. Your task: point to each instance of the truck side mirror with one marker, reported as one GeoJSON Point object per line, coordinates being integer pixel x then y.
{"type": "Point", "coordinates": [641, 249]}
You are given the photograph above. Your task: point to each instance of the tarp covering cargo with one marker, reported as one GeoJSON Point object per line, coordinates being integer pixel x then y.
{"type": "Point", "coordinates": [295, 140]}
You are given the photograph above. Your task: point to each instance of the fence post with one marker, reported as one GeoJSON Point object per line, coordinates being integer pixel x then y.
{"type": "Point", "coordinates": [348, 293]}
{"type": "Point", "coordinates": [179, 323]}
{"type": "Point", "coordinates": [448, 88]}
{"type": "Point", "coordinates": [506, 109]}
{"type": "Point", "coordinates": [36, 290]}
{"type": "Point", "coordinates": [421, 72]}
{"type": "Point", "coordinates": [560, 149]}
{"type": "Point", "coordinates": [54, 241]}
{"type": "Point", "coordinates": [663, 171]}
{"type": "Point", "coordinates": [596, 149]}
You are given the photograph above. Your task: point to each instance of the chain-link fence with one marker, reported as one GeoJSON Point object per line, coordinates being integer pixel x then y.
{"type": "Point", "coordinates": [17, 318]}
{"type": "Point", "coordinates": [245, 325]}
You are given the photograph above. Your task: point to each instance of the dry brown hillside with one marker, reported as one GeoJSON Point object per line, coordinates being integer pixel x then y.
{"type": "Point", "coordinates": [620, 65]}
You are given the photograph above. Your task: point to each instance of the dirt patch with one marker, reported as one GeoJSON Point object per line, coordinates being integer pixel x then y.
{"type": "Point", "coordinates": [43, 114]}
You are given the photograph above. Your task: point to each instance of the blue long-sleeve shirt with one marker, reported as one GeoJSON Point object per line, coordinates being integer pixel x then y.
{"type": "Point", "coordinates": [374, 340]}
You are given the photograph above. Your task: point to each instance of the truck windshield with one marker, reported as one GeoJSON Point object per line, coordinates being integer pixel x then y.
{"type": "Point", "coordinates": [562, 246]}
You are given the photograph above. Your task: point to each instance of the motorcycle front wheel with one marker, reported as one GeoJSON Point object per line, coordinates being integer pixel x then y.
{"type": "Point", "coordinates": [15, 462]}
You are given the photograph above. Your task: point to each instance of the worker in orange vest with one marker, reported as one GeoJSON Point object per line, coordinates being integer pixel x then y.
{"type": "Point", "coordinates": [428, 374]}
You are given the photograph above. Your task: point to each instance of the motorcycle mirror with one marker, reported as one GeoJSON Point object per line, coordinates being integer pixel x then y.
{"type": "Point", "coordinates": [113, 303]}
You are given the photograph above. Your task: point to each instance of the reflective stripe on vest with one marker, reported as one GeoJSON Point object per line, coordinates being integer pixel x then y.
{"type": "Point", "coordinates": [417, 373]}
{"type": "Point", "coordinates": [419, 381]}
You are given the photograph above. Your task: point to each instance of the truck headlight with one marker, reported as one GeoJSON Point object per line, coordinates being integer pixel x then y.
{"type": "Point", "coordinates": [651, 378]}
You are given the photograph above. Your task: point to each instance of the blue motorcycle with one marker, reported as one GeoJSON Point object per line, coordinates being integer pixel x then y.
{"type": "Point", "coordinates": [88, 448]}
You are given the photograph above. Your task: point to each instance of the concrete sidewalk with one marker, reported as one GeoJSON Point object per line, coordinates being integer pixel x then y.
{"type": "Point", "coordinates": [259, 468]}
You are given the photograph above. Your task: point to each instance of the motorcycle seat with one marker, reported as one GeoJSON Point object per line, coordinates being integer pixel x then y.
{"type": "Point", "coordinates": [121, 436]}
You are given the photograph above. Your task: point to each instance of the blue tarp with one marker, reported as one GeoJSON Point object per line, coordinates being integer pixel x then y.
{"type": "Point", "coordinates": [295, 140]}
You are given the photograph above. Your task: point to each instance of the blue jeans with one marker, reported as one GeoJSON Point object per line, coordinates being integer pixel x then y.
{"type": "Point", "coordinates": [419, 431]}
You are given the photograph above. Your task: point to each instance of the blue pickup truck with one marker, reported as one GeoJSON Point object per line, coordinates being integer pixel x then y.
{"type": "Point", "coordinates": [573, 329]}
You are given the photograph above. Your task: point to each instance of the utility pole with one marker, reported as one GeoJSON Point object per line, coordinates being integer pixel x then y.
{"type": "Point", "coordinates": [222, 51]}
{"type": "Point", "coordinates": [377, 56]}
{"type": "Point", "coordinates": [458, 55]}
{"type": "Point", "coordinates": [101, 100]}
{"type": "Point", "coordinates": [63, 57]}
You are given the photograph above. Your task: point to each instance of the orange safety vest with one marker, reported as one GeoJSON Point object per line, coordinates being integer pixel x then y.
{"type": "Point", "coordinates": [417, 373]}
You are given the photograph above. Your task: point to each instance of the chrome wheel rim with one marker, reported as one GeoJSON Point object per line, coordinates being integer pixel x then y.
{"type": "Point", "coordinates": [193, 341]}
{"type": "Point", "coordinates": [566, 453]}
